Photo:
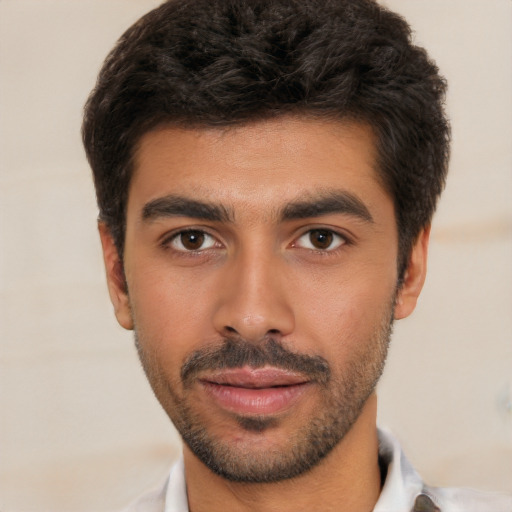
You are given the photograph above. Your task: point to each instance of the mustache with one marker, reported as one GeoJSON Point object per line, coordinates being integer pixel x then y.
{"type": "Point", "coordinates": [237, 353]}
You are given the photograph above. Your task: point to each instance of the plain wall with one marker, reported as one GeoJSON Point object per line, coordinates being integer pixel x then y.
{"type": "Point", "coordinates": [79, 427]}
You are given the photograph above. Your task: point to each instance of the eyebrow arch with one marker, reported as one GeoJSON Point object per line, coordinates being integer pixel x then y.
{"type": "Point", "coordinates": [330, 202]}
{"type": "Point", "coordinates": [179, 206]}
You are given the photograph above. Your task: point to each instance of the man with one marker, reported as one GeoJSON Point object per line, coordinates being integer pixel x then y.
{"type": "Point", "coordinates": [266, 173]}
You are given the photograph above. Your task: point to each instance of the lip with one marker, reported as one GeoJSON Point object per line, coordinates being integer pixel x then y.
{"type": "Point", "coordinates": [254, 391]}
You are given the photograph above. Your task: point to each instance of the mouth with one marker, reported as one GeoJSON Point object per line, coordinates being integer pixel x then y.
{"type": "Point", "coordinates": [254, 391]}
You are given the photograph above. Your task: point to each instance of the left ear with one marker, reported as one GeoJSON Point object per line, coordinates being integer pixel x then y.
{"type": "Point", "coordinates": [414, 276]}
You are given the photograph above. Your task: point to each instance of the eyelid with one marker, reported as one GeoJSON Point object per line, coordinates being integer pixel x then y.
{"type": "Point", "coordinates": [342, 239]}
{"type": "Point", "coordinates": [168, 239]}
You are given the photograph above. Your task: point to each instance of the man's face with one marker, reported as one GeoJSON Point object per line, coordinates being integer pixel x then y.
{"type": "Point", "coordinates": [261, 271]}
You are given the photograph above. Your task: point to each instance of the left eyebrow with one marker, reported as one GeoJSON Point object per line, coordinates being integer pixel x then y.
{"type": "Point", "coordinates": [332, 202]}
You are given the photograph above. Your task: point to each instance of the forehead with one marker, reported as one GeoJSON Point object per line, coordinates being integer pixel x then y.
{"type": "Point", "coordinates": [259, 165]}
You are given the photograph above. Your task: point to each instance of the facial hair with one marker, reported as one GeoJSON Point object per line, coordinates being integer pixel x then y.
{"type": "Point", "coordinates": [343, 395]}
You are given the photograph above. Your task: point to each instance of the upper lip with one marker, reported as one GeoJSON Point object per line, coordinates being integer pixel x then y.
{"type": "Point", "coordinates": [254, 378]}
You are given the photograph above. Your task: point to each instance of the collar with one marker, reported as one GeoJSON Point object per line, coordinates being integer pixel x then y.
{"type": "Point", "coordinates": [403, 487]}
{"type": "Point", "coordinates": [176, 495]}
{"type": "Point", "coordinates": [402, 490]}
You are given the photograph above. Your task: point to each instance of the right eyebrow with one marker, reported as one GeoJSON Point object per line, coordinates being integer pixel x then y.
{"type": "Point", "coordinates": [179, 206]}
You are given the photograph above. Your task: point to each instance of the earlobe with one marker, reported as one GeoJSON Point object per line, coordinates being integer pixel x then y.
{"type": "Point", "coordinates": [115, 278]}
{"type": "Point", "coordinates": [414, 276]}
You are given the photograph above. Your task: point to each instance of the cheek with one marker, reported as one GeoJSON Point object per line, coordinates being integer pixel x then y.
{"type": "Point", "coordinates": [342, 311]}
{"type": "Point", "coordinates": [170, 312]}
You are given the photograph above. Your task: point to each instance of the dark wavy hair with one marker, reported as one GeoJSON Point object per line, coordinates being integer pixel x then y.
{"type": "Point", "coordinates": [203, 63]}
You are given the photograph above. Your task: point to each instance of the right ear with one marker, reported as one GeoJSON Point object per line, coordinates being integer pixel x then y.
{"type": "Point", "coordinates": [115, 278]}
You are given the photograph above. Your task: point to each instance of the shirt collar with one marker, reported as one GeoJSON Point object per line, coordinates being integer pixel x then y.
{"type": "Point", "coordinates": [176, 495]}
{"type": "Point", "coordinates": [401, 486]}
{"type": "Point", "coordinates": [402, 483]}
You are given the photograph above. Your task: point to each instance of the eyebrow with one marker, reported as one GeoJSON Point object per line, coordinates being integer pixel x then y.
{"type": "Point", "coordinates": [178, 206]}
{"type": "Point", "coordinates": [327, 203]}
{"type": "Point", "coordinates": [340, 202]}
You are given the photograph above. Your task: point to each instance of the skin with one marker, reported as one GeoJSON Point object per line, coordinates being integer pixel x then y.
{"type": "Point", "coordinates": [257, 273]}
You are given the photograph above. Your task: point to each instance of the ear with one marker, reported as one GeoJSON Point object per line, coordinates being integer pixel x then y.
{"type": "Point", "coordinates": [414, 276]}
{"type": "Point", "coordinates": [115, 278]}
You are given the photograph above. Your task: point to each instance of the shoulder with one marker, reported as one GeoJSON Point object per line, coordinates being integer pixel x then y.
{"type": "Point", "coordinates": [450, 499]}
{"type": "Point", "coordinates": [169, 496]}
{"type": "Point", "coordinates": [151, 501]}
{"type": "Point", "coordinates": [404, 490]}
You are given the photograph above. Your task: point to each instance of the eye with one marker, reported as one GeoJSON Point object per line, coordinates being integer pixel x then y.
{"type": "Point", "coordinates": [320, 240]}
{"type": "Point", "coordinates": [192, 240]}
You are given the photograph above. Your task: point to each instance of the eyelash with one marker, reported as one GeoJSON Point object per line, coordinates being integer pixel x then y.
{"type": "Point", "coordinates": [338, 239]}
{"type": "Point", "coordinates": [168, 242]}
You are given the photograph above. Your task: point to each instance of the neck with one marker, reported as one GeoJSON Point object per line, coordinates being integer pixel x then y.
{"type": "Point", "coordinates": [347, 480]}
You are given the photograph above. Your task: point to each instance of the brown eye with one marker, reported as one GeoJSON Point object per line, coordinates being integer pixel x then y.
{"type": "Point", "coordinates": [192, 240]}
{"type": "Point", "coordinates": [320, 240]}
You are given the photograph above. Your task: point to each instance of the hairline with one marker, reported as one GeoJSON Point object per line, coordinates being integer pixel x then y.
{"type": "Point", "coordinates": [298, 114]}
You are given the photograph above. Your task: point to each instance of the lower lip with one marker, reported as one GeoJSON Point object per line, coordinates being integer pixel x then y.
{"type": "Point", "coordinates": [255, 401]}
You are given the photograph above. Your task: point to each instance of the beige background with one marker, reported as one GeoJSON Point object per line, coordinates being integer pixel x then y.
{"type": "Point", "coordinates": [79, 428]}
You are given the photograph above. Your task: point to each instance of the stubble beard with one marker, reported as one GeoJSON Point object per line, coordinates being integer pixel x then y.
{"type": "Point", "coordinates": [343, 397]}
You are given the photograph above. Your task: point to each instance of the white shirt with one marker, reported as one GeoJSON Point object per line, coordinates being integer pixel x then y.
{"type": "Point", "coordinates": [403, 490]}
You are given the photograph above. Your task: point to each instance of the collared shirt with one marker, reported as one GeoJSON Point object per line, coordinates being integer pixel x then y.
{"type": "Point", "coordinates": [403, 490]}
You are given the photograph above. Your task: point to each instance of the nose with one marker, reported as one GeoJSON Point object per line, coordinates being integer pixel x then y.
{"type": "Point", "coordinates": [253, 302]}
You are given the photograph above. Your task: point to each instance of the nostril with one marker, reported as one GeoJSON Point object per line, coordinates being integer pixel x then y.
{"type": "Point", "coordinates": [274, 331]}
